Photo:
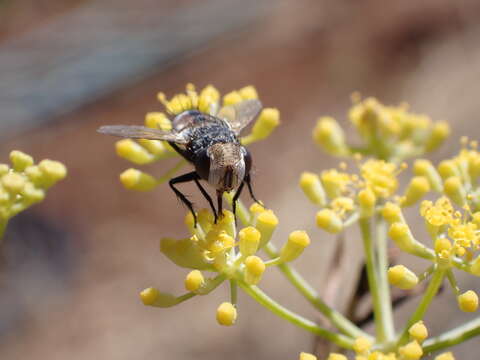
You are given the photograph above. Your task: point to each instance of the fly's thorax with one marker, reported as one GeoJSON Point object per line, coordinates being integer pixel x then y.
{"type": "Point", "coordinates": [226, 168]}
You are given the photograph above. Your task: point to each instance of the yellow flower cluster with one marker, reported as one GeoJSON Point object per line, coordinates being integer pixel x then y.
{"type": "Point", "coordinates": [219, 248]}
{"type": "Point", "coordinates": [345, 197]}
{"type": "Point", "coordinates": [25, 183]}
{"type": "Point", "coordinates": [207, 100]}
{"type": "Point", "coordinates": [411, 351]}
{"type": "Point", "coordinates": [388, 132]}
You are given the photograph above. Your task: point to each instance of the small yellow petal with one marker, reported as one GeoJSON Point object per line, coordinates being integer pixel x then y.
{"type": "Point", "coordinates": [20, 160]}
{"type": "Point", "coordinates": [134, 179]}
{"type": "Point", "coordinates": [362, 345]}
{"type": "Point", "coordinates": [402, 277]}
{"type": "Point", "coordinates": [249, 240]}
{"type": "Point", "coordinates": [254, 269]}
{"type": "Point", "coordinates": [313, 189]}
{"type": "Point", "coordinates": [411, 351]}
{"type": "Point", "coordinates": [329, 221]}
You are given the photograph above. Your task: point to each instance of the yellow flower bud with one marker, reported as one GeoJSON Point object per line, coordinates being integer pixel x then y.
{"type": "Point", "coordinates": [53, 171]}
{"type": "Point", "coordinates": [362, 345]}
{"type": "Point", "coordinates": [134, 179]}
{"type": "Point", "coordinates": [440, 132]}
{"type": "Point", "coordinates": [4, 168]}
{"type": "Point", "coordinates": [329, 221]}
{"type": "Point", "coordinates": [442, 245]}
{"type": "Point", "coordinates": [329, 135]}
{"type": "Point", "coordinates": [266, 223]}
{"type": "Point", "coordinates": [35, 175]}
{"type": "Point", "coordinates": [392, 213]}
{"type": "Point", "coordinates": [418, 331]}
{"type": "Point", "coordinates": [155, 147]}
{"type": "Point", "coordinates": [132, 151]}
{"type": "Point", "coordinates": [157, 120]}
{"type": "Point", "coordinates": [416, 189]}
{"type": "Point", "coordinates": [254, 269]}
{"type": "Point", "coordinates": [307, 356]}
{"type": "Point", "coordinates": [468, 301]}
{"type": "Point", "coordinates": [232, 98]}
{"type": "Point", "coordinates": [194, 280]}
{"type": "Point", "coordinates": [411, 351]}
{"type": "Point", "coordinates": [268, 120]}
{"type": "Point", "coordinates": [448, 168]}
{"type": "Point", "coordinates": [249, 240]}
{"type": "Point", "coordinates": [20, 160]}
{"type": "Point", "coordinates": [248, 92]}
{"type": "Point", "coordinates": [296, 243]}
{"type": "Point", "coordinates": [313, 189]}
{"type": "Point", "coordinates": [31, 194]}
{"type": "Point", "coordinates": [152, 297]}
{"type": "Point", "coordinates": [366, 200]}
{"type": "Point", "coordinates": [149, 295]}
{"type": "Point", "coordinates": [226, 314]}
{"type": "Point", "coordinates": [423, 167]}
{"type": "Point", "coordinates": [335, 356]}
{"type": "Point", "coordinates": [401, 235]}
{"type": "Point", "coordinates": [13, 182]}
{"type": "Point", "coordinates": [445, 356]}
{"type": "Point", "coordinates": [402, 277]}
{"type": "Point", "coordinates": [475, 266]}
{"type": "Point", "coordinates": [453, 188]}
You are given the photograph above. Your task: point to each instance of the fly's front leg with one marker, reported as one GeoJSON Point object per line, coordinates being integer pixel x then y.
{"type": "Point", "coordinates": [191, 176]}
{"type": "Point", "coordinates": [207, 196]}
{"type": "Point", "coordinates": [220, 203]}
{"type": "Point", "coordinates": [234, 201]}
{"type": "Point", "coordinates": [250, 190]}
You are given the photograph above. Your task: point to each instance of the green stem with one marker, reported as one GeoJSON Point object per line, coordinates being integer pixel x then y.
{"type": "Point", "coordinates": [373, 281]}
{"type": "Point", "coordinates": [453, 337]}
{"type": "Point", "coordinates": [384, 288]}
{"type": "Point", "coordinates": [233, 292]}
{"type": "Point", "coordinates": [264, 300]}
{"type": "Point", "coordinates": [169, 174]}
{"type": "Point", "coordinates": [336, 318]}
{"type": "Point", "coordinates": [432, 289]}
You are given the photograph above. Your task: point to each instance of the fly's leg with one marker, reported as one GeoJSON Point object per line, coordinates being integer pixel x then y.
{"type": "Point", "coordinates": [207, 196]}
{"type": "Point", "coordinates": [250, 190]}
{"type": "Point", "coordinates": [234, 201]}
{"type": "Point", "coordinates": [181, 179]}
{"type": "Point", "coordinates": [220, 203]}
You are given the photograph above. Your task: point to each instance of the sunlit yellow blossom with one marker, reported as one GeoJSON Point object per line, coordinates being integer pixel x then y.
{"type": "Point", "coordinates": [366, 200]}
{"type": "Point", "coordinates": [402, 277]}
{"type": "Point", "coordinates": [297, 242]}
{"type": "Point", "coordinates": [342, 205]}
{"type": "Point", "coordinates": [254, 269]}
{"type": "Point", "coordinates": [362, 345]}
{"type": "Point", "coordinates": [313, 189]}
{"type": "Point", "coordinates": [249, 240]}
{"type": "Point", "coordinates": [329, 135]}
{"type": "Point", "coordinates": [226, 314]}
{"type": "Point", "coordinates": [329, 221]}
{"type": "Point", "coordinates": [194, 280]}
{"type": "Point", "coordinates": [418, 331]}
{"type": "Point", "coordinates": [335, 356]}
{"type": "Point", "coordinates": [307, 356]}
{"type": "Point", "coordinates": [438, 214]}
{"type": "Point", "coordinates": [335, 183]}
{"type": "Point", "coordinates": [445, 356]}
{"type": "Point", "coordinates": [25, 184]}
{"type": "Point", "coordinates": [411, 351]}
{"type": "Point", "coordinates": [380, 176]}
{"type": "Point", "coordinates": [468, 301]}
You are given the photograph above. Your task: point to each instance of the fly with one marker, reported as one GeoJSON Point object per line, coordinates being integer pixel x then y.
{"type": "Point", "coordinates": [210, 143]}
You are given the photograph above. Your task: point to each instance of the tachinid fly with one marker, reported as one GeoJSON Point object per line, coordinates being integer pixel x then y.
{"type": "Point", "coordinates": [210, 143]}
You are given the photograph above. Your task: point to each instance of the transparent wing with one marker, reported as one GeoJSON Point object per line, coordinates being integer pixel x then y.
{"type": "Point", "coordinates": [142, 132]}
{"type": "Point", "coordinates": [240, 114]}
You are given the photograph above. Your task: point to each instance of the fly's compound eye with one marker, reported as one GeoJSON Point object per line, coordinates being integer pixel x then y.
{"type": "Point", "coordinates": [247, 158]}
{"type": "Point", "coordinates": [202, 164]}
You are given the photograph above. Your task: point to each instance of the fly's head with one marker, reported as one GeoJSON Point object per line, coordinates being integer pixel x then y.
{"type": "Point", "coordinates": [223, 165]}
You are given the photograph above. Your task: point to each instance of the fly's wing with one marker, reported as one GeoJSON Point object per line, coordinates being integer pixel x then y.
{"type": "Point", "coordinates": [240, 114]}
{"type": "Point", "coordinates": [142, 132]}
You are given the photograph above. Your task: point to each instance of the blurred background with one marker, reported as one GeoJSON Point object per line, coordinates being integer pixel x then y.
{"type": "Point", "coordinates": [72, 266]}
